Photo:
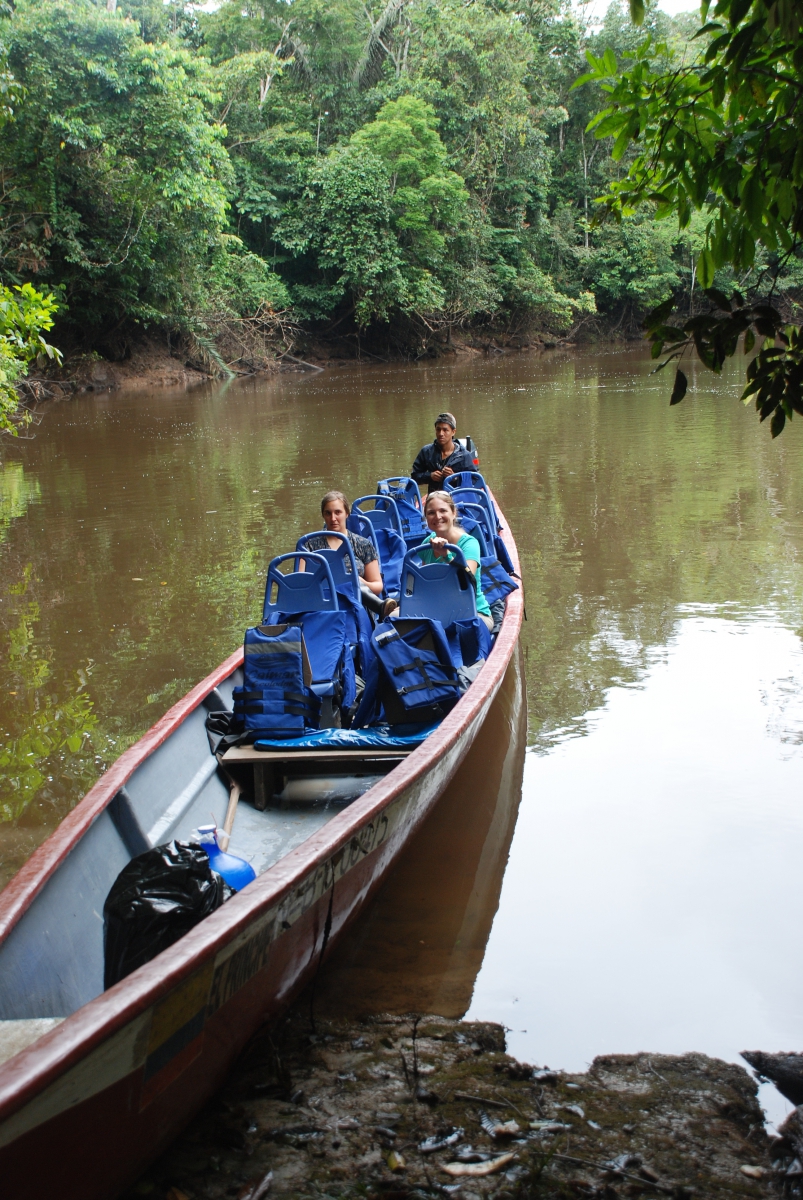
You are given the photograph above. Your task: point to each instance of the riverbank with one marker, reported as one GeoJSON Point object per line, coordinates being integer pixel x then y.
{"type": "Point", "coordinates": [419, 1107]}
{"type": "Point", "coordinates": [149, 363]}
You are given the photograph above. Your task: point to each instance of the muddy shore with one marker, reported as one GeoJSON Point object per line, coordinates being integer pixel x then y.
{"type": "Point", "coordinates": [150, 363]}
{"type": "Point", "coordinates": [424, 1107]}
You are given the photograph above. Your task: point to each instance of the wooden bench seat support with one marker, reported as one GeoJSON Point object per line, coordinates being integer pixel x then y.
{"type": "Point", "coordinates": [266, 762]}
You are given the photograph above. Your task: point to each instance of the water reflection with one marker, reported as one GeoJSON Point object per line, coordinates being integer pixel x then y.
{"type": "Point", "coordinates": [156, 515]}
{"type": "Point", "coordinates": [420, 944]}
{"type": "Point", "coordinates": [47, 736]}
{"type": "Point", "coordinates": [17, 491]}
{"type": "Point", "coordinates": [667, 845]}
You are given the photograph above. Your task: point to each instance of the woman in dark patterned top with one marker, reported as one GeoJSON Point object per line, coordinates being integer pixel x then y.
{"type": "Point", "coordinates": [335, 508]}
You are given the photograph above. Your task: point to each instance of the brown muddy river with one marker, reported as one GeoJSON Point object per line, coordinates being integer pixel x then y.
{"type": "Point", "coordinates": [653, 885]}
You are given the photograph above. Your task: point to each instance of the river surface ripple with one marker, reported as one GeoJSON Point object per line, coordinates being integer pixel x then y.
{"type": "Point", "coordinates": [653, 879]}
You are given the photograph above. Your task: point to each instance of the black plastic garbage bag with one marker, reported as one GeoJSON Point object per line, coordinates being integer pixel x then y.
{"type": "Point", "coordinates": [161, 895]}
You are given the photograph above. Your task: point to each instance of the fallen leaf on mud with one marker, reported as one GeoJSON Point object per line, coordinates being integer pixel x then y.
{"type": "Point", "coordinates": [477, 1169]}
{"type": "Point", "coordinates": [396, 1161]}
{"type": "Point", "coordinates": [753, 1172]}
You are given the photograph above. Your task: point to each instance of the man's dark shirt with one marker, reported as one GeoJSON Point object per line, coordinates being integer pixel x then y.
{"type": "Point", "coordinates": [429, 460]}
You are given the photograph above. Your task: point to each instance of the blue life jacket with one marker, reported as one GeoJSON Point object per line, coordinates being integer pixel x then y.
{"type": "Point", "coordinates": [297, 677]}
{"type": "Point", "coordinates": [496, 579]}
{"type": "Point", "coordinates": [412, 522]}
{"type": "Point", "coordinates": [418, 677]}
{"type": "Point", "coordinates": [503, 555]}
{"type": "Point", "coordinates": [469, 641]}
{"type": "Point", "coordinates": [401, 487]}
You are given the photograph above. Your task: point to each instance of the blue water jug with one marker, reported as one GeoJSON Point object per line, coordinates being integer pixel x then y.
{"type": "Point", "coordinates": [236, 871]}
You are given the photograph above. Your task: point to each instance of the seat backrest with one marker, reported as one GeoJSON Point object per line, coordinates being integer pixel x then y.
{"type": "Point", "coordinates": [475, 528]}
{"type": "Point", "coordinates": [413, 524]}
{"type": "Point", "coordinates": [310, 590]}
{"type": "Point", "coordinates": [404, 491]}
{"type": "Point", "coordinates": [462, 479]}
{"type": "Point", "coordinates": [342, 562]}
{"type": "Point", "coordinates": [475, 496]}
{"type": "Point", "coordinates": [415, 543]}
{"type": "Point", "coordinates": [391, 550]}
{"type": "Point", "coordinates": [478, 514]}
{"type": "Point", "coordinates": [360, 524]}
{"type": "Point", "coordinates": [472, 479]}
{"type": "Point", "coordinates": [400, 487]}
{"type": "Point", "coordinates": [381, 511]}
{"type": "Point", "coordinates": [441, 591]}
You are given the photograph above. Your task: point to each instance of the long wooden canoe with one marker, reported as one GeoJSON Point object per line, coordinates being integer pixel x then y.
{"type": "Point", "coordinates": [95, 1084]}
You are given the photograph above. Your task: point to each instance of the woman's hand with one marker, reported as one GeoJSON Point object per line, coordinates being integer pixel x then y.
{"type": "Point", "coordinates": [439, 546]}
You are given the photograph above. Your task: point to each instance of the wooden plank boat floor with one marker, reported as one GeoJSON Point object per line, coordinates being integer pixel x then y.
{"type": "Point", "coordinates": [247, 754]}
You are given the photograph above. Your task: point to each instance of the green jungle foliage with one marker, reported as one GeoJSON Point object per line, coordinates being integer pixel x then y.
{"type": "Point", "coordinates": [390, 171]}
{"type": "Point", "coordinates": [713, 132]}
{"type": "Point", "coordinates": [24, 312]}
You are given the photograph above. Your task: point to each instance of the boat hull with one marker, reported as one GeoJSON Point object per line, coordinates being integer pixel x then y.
{"type": "Point", "coordinates": [86, 1107]}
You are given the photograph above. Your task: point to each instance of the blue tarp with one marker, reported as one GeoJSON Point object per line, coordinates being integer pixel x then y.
{"type": "Point", "coordinates": [378, 737]}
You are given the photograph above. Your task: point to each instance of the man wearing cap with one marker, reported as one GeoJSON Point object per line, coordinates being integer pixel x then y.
{"type": "Point", "coordinates": [442, 457]}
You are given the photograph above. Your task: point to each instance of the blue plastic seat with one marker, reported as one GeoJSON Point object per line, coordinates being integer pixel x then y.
{"type": "Point", "coordinates": [462, 479]}
{"type": "Point", "coordinates": [415, 543]}
{"type": "Point", "coordinates": [477, 514]}
{"type": "Point", "coordinates": [400, 487]}
{"type": "Point", "coordinates": [440, 591]}
{"type": "Point", "coordinates": [475, 528]}
{"type": "Point", "coordinates": [404, 491]}
{"type": "Point", "coordinates": [358, 523]}
{"type": "Point", "coordinates": [476, 496]}
{"type": "Point", "coordinates": [310, 590]}
{"type": "Point", "coordinates": [389, 546]}
{"type": "Point", "coordinates": [341, 561]}
{"type": "Point", "coordinates": [383, 513]}
{"type": "Point", "coordinates": [472, 479]}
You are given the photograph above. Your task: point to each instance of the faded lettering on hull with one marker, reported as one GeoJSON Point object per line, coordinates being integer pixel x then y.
{"type": "Point", "coordinates": [248, 954]}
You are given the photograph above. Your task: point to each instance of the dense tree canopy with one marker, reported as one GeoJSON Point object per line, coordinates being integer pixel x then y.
{"type": "Point", "coordinates": [715, 131]}
{"type": "Point", "coordinates": [388, 172]}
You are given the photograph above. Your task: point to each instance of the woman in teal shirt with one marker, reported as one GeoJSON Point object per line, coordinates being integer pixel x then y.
{"type": "Point", "coordinates": [441, 517]}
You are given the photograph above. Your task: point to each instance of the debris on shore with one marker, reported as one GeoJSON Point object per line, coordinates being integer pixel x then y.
{"type": "Point", "coordinates": [421, 1107]}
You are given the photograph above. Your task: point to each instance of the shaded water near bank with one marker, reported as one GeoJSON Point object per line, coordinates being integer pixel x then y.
{"type": "Point", "coordinates": [653, 883]}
